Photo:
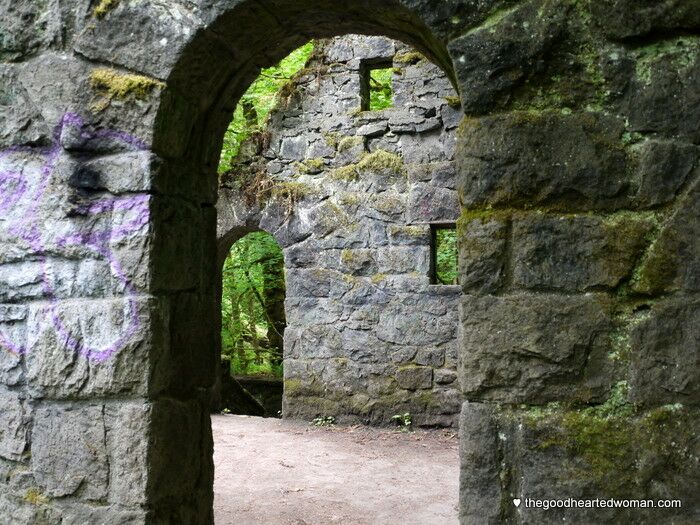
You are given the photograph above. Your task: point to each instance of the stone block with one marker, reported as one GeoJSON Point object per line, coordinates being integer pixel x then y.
{"type": "Point", "coordinates": [559, 161]}
{"type": "Point", "coordinates": [69, 451]}
{"type": "Point", "coordinates": [93, 348]}
{"type": "Point", "coordinates": [672, 263]}
{"type": "Point", "coordinates": [577, 253]}
{"type": "Point", "coordinates": [663, 98]}
{"type": "Point", "coordinates": [13, 343]}
{"type": "Point", "coordinates": [664, 168]}
{"type": "Point", "coordinates": [433, 357]}
{"type": "Point", "coordinates": [665, 354]}
{"type": "Point", "coordinates": [127, 438]}
{"type": "Point", "coordinates": [15, 424]}
{"type": "Point", "coordinates": [491, 60]}
{"type": "Point", "coordinates": [21, 121]}
{"type": "Point", "coordinates": [414, 377]}
{"type": "Point", "coordinates": [401, 325]}
{"type": "Point", "coordinates": [482, 252]}
{"type": "Point", "coordinates": [29, 27]}
{"type": "Point", "coordinates": [429, 203]}
{"type": "Point", "coordinates": [480, 492]}
{"type": "Point", "coordinates": [628, 19]}
{"type": "Point", "coordinates": [535, 348]}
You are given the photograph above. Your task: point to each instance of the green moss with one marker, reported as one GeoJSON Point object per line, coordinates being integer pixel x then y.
{"type": "Point", "coordinates": [454, 102]}
{"type": "Point", "coordinates": [113, 84]}
{"type": "Point", "coordinates": [494, 19]}
{"type": "Point", "coordinates": [104, 7]}
{"type": "Point", "coordinates": [409, 57]}
{"type": "Point", "coordinates": [332, 139]}
{"type": "Point", "coordinates": [315, 165]}
{"type": "Point", "coordinates": [379, 161]}
{"type": "Point", "coordinates": [35, 497]}
{"type": "Point", "coordinates": [612, 443]}
{"type": "Point", "coordinates": [347, 143]}
{"type": "Point", "coordinates": [378, 278]}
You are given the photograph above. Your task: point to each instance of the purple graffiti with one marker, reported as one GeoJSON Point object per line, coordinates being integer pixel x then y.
{"type": "Point", "coordinates": [134, 210]}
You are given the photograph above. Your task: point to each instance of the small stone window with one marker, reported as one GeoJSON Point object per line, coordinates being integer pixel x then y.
{"type": "Point", "coordinates": [377, 91]}
{"type": "Point", "coordinates": [443, 260]}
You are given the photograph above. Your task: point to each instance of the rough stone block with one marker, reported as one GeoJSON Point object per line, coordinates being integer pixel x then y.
{"type": "Point", "coordinates": [13, 342]}
{"type": "Point", "coordinates": [428, 203]}
{"type": "Point", "coordinates": [127, 434]}
{"type": "Point", "coordinates": [29, 27]}
{"type": "Point", "coordinates": [664, 97]}
{"type": "Point", "coordinates": [562, 161]}
{"type": "Point", "coordinates": [480, 492]}
{"type": "Point", "coordinates": [490, 60]}
{"type": "Point", "coordinates": [20, 121]}
{"type": "Point", "coordinates": [577, 253]}
{"type": "Point", "coordinates": [664, 167]}
{"type": "Point", "coordinates": [535, 348]}
{"type": "Point", "coordinates": [15, 423]}
{"type": "Point", "coordinates": [97, 347]}
{"type": "Point", "coordinates": [482, 256]}
{"type": "Point", "coordinates": [672, 263]}
{"type": "Point", "coordinates": [622, 19]}
{"type": "Point", "coordinates": [69, 451]}
{"type": "Point", "coordinates": [414, 377]}
{"type": "Point", "coordinates": [665, 354]}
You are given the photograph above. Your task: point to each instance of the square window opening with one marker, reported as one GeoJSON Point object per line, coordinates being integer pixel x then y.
{"type": "Point", "coordinates": [377, 91]}
{"type": "Point", "coordinates": [443, 260]}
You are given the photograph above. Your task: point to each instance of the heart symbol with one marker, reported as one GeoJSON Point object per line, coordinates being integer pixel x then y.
{"type": "Point", "coordinates": [516, 502]}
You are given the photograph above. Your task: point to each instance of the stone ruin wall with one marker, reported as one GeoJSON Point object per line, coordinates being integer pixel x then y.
{"type": "Point", "coordinates": [577, 169]}
{"type": "Point", "coordinates": [354, 194]}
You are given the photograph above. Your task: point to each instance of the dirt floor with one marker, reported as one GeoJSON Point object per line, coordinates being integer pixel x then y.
{"type": "Point", "coordinates": [275, 472]}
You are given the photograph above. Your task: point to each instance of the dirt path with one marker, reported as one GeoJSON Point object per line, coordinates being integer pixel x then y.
{"type": "Point", "coordinates": [275, 472]}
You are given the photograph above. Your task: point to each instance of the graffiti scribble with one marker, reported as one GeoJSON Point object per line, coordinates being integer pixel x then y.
{"type": "Point", "coordinates": [28, 228]}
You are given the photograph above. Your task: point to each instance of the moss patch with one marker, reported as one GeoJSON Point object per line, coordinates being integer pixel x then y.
{"type": "Point", "coordinates": [35, 497]}
{"type": "Point", "coordinates": [615, 447]}
{"type": "Point", "coordinates": [112, 84]}
{"type": "Point", "coordinates": [348, 143]}
{"type": "Point", "coordinates": [377, 162]}
{"type": "Point", "coordinates": [408, 57]}
{"type": "Point", "coordinates": [104, 7]}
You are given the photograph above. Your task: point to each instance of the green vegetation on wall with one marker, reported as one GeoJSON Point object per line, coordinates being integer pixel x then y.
{"type": "Point", "coordinates": [252, 306]}
{"type": "Point", "coordinates": [256, 103]}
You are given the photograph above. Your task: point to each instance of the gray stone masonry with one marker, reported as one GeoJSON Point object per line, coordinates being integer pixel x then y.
{"type": "Point", "coordinates": [576, 165]}
{"type": "Point", "coordinates": [351, 199]}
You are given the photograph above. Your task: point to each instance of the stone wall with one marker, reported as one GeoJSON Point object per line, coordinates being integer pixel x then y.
{"type": "Point", "coordinates": [577, 169]}
{"type": "Point", "coordinates": [350, 196]}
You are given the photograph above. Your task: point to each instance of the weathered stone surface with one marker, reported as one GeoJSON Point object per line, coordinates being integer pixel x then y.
{"type": "Point", "coordinates": [673, 261]}
{"type": "Point", "coordinates": [479, 481]}
{"type": "Point", "coordinates": [15, 421]}
{"type": "Point", "coordinates": [492, 59]}
{"type": "Point", "coordinates": [666, 354]}
{"type": "Point", "coordinates": [664, 97]}
{"type": "Point", "coordinates": [77, 436]}
{"type": "Point", "coordinates": [576, 253]}
{"type": "Point", "coordinates": [482, 245]}
{"type": "Point", "coordinates": [628, 19]}
{"type": "Point", "coordinates": [664, 168]}
{"type": "Point", "coordinates": [562, 161]}
{"type": "Point", "coordinates": [533, 349]}
{"type": "Point", "coordinates": [20, 120]}
{"type": "Point", "coordinates": [88, 348]}
{"type": "Point", "coordinates": [28, 27]}
{"type": "Point", "coordinates": [414, 377]}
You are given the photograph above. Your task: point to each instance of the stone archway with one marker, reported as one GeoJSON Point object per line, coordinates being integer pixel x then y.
{"type": "Point", "coordinates": [578, 165]}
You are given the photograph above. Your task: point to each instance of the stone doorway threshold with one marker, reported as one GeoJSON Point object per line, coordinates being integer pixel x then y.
{"type": "Point", "coordinates": [278, 472]}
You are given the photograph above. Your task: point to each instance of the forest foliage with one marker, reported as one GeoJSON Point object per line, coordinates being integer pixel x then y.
{"type": "Point", "coordinates": [256, 103]}
{"type": "Point", "coordinates": [252, 306]}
